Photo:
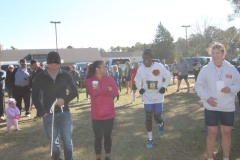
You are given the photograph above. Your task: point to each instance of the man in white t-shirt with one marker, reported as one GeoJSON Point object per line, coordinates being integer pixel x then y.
{"type": "Point", "coordinates": [152, 80]}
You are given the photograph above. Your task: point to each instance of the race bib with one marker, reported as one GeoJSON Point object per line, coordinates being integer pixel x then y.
{"type": "Point", "coordinates": [152, 85]}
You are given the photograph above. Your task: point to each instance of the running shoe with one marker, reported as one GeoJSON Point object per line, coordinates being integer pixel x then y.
{"type": "Point", "coordinates": [149, 143]}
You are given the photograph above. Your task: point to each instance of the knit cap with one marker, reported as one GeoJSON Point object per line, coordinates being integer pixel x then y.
{"type": "Point", "coordinates": [53, 57]}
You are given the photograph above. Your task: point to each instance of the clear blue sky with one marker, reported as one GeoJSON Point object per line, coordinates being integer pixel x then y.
{"type": "Point", "coordinates": [25, 24]}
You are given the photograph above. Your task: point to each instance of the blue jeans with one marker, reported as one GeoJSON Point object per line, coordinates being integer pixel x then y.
{"type": "Point", "coordinates": [62, 129]}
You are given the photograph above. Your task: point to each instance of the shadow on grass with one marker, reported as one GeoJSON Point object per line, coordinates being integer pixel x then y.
{"type": "Point", "coordinates": [184, 136]}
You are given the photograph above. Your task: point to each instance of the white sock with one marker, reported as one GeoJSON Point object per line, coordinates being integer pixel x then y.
{"type": "Point", "coordinates": [225, 158]}
{"type": "Point", "coordinates": [150, 135]}
{"type": "Point", "coordinates": [210, 159]}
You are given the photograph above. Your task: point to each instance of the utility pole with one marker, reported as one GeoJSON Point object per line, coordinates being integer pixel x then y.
{"type": "Point", "coordinates": [186, 27]}
{"type": "Point", "coordinates": [56, 22]}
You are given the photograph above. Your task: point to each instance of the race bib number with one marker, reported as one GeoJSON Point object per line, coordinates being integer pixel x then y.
{"type": "Point", "coordinates": [152, 85]}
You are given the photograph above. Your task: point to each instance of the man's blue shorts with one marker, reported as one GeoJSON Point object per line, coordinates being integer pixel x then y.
{"type": "Point", "coordinates": [214, 118]}
{"type": "Point", "coordinates": [156, 107]}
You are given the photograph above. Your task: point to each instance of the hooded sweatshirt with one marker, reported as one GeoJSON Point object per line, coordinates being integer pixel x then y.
{"type": "Point", "coordinates": [208, 81]}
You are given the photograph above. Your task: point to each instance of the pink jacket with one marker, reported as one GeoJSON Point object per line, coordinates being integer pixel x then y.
{"type": "Point", "coordinates": [12, 112]}
{"type": "Point", "coordinates": [102, 105]}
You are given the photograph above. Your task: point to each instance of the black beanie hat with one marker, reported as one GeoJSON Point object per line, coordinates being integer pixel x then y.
{"type": "Point", "coordinates": [53, 57]}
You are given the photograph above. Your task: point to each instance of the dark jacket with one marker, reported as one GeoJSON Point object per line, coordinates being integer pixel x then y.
{"type": "Point", "coordinates": [8, 78]}
{"type": "Point", "coordinates": [36, 72]}
{"type": "Point", "coordinates": [45, 91]}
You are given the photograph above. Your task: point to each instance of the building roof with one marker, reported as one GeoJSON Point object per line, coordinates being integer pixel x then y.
{"type": "Point", "coordinates": [134, 56]}
{"type": "Point", "coordinates": [67, 55]}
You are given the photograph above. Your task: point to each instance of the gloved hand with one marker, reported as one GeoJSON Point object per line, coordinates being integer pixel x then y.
{"type": "Point", "coordinates": [141, 91]}
{"type": "Point", "coordinates": [162, 90]}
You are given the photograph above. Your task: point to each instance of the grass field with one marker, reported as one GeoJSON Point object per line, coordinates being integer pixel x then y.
{"type": "Point", "coordinates": [184, 137]}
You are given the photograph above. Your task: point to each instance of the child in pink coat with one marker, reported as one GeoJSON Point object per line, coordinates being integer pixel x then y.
{"type": "Point", "coordinates": [12, 114]}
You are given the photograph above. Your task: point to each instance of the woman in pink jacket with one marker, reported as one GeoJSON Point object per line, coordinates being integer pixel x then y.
{"type": "Point", "coordinates": [102, 89]}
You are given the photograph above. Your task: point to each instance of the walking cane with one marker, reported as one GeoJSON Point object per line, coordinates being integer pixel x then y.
{"type": "Point", "coordinates": [52, 111]}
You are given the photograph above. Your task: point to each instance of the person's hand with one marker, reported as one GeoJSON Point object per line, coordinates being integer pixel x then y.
{"type": "Point", "coordinates": [225, 90]}
{"type": "Point", "coordinates": [59, 102]}
{"type": "Point", "coordinates": [141, 91]}
{"type": "Point", "coordinates": [17, 117]}
{"type": "Point", "coordinates": [162, 90]}
{"type": "Point", "coordinates": [212, 101]}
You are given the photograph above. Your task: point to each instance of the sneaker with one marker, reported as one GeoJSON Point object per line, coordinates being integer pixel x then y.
{"type": "Point", "coordinates": [28, 114]}
{"type": "Point", "coordinates": [160, 130]}
{"type": "Point", "coordinates": [2, 118]}
{"type": "Point", "coordinates": [149, 143]}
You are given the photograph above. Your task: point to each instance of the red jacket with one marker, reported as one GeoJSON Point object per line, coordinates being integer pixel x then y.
{"type": "Point", "coordinates": [102, 105]}
{"type": "Point", "coordinates": [133, 73]}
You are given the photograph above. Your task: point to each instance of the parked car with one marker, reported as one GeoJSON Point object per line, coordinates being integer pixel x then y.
{"type": "Point", "coordinates": [114, 61]}
{"type": "Point", "coordinates": [80, 67]}
{"type": "Point", "coordinates": [191, 60]}
{"type": "Point", "coordinates": [4, 65]}
{"type": "Point", "coordinates": [235, 61]}
{"type": "Point", "coordinates": [154, 60]}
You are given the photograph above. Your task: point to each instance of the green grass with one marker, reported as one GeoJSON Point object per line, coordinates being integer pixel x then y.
{"type": "Point", "coordinates": [184, 137]}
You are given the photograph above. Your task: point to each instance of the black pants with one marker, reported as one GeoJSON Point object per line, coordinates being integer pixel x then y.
{"type": "Point", "coordinates": [2, 102]}
{"type": "Point", "coordinates": [103, 128]}
{"type": "Point", "coordinates": [120, 85]}
{"type": "Point", "coordinates": [87, 95]}
{"type": "Point", "coordinates": [77, 90]}
{"type": "Point", "coordinates": [24, 93]}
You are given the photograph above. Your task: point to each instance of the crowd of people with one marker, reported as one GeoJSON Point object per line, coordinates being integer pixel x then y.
{"type": "Point", "coordinates": [50, 90]}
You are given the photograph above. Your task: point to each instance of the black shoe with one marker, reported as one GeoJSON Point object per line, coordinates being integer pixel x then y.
{"type": "Point", "coordinates": [107, 158]}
